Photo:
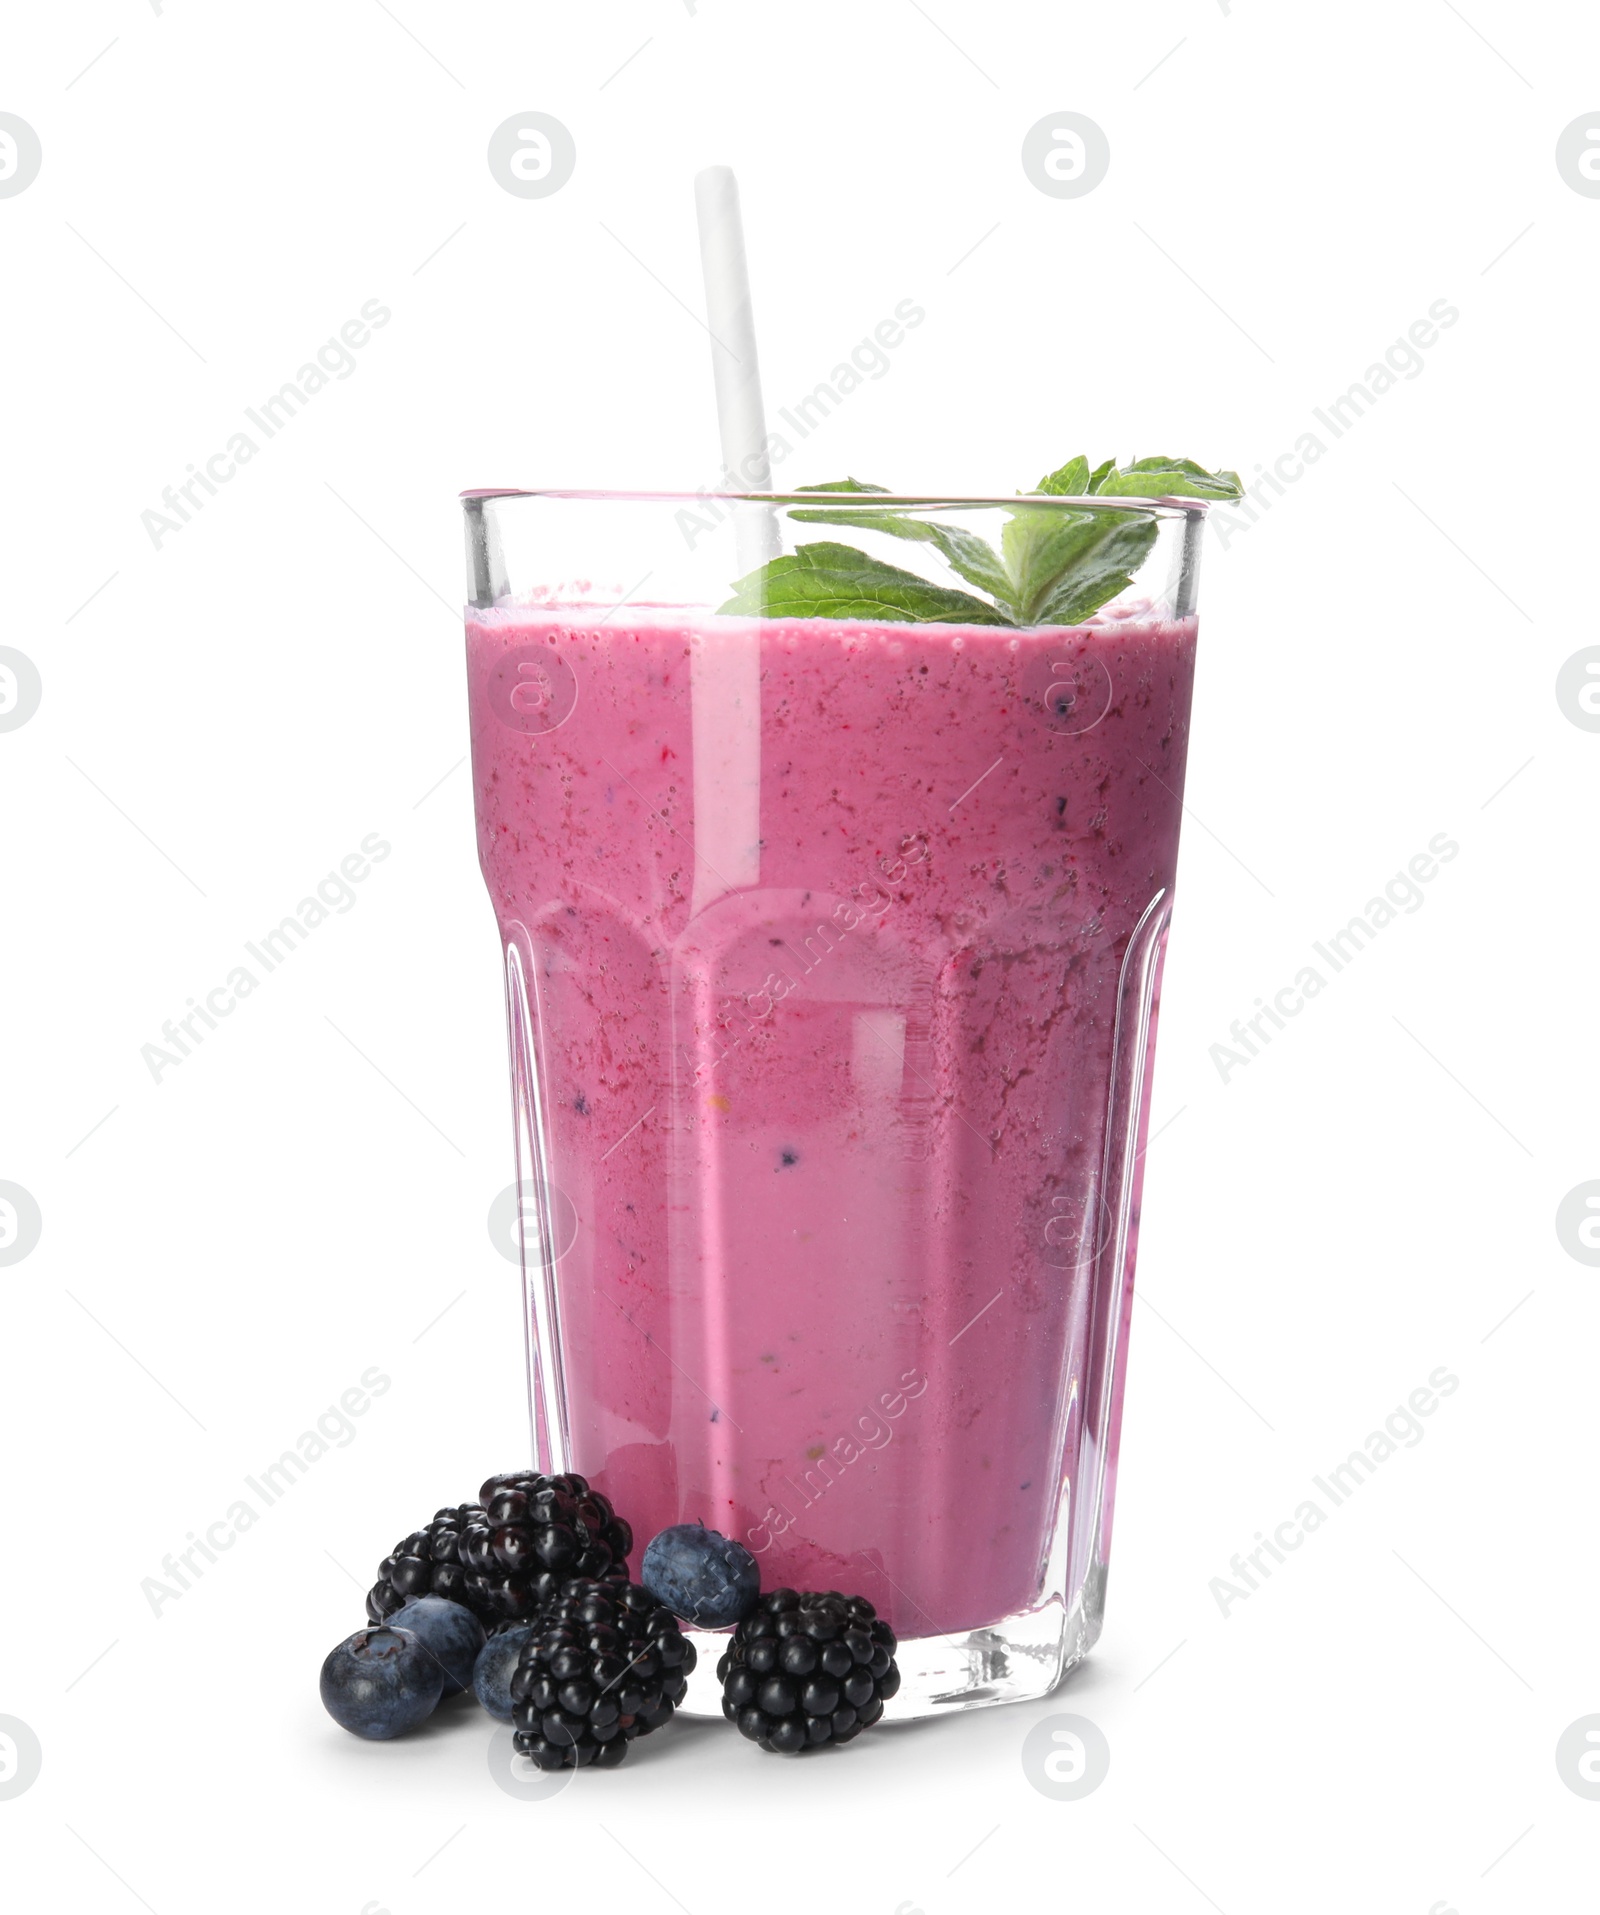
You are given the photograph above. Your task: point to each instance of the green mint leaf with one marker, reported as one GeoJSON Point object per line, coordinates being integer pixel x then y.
{"type": "Point", "coordinates": [1040, 548]}
{"type": "Point", "coordinates": [965, 553]}
{"type": "Point", "coordinates": [1071, 559]}
{"type": "Point", "coordinates": [1054, 566]}
{"type": "Point", "coordinates": [1162, 477]}
{"type": "Point", "coordinates": [1069, 481]}
{"type": "Point", "coordinates": [1104, 568]}
{"type": "Point", "coordinates": [835, 581]}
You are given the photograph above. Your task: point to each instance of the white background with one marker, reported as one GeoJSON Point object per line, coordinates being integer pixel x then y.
{"type": "Point", "coordinates": [223, 719]}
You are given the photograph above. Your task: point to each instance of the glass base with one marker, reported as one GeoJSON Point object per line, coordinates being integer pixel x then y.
{"type": "Point", "coordinates": [1018, 1659]}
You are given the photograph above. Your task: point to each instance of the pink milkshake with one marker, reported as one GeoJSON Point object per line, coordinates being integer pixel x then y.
{"type": "Point", "coordinates": [832, 950]}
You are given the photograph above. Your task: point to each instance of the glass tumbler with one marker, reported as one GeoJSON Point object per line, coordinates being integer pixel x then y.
{"type": "Point", "coordinates": [832, 847]}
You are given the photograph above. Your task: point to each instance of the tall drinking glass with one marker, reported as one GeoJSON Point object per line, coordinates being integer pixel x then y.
{"type": "Point", "coordinates": [833, 914]}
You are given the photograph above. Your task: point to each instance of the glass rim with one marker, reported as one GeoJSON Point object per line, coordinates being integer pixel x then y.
{"type": "Point", "coordinates": [1165, 503]}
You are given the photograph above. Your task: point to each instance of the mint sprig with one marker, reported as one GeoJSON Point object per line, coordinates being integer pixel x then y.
{"type": "Point", "coordinates": [836, 581]}
{"type": "Point", "coordinates": [1054, 567]}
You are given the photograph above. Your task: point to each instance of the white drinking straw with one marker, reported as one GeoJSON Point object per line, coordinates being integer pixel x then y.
{"type": "Point", "coordinates": [725, 667]}
{"type": "Point", "coordinates": [734, 362]}
{"type": "Point", "coordinates": [725, 733]}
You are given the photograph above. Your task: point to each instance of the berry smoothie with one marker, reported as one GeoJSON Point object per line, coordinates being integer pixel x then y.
{"type": "Point", "coordinates": [842, 940]}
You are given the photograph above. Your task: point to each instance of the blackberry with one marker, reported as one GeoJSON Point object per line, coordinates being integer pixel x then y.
{"type": "Point", "coordinates": [605, 1663]}
{"type": "Point", "coordinates": [510, 1553]}
{"type": "Point", "coordinates": [808, 1668]}
{"type": "Point", "coordinates": [425, 1563]}
{"type": "Point", "coordinates": [536, 1535]}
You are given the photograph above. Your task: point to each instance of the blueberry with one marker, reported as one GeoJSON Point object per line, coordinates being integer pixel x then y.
{"type": "Point", "coordinates": [496, 1665]}
{"type": "Point", "coordinates": [381, 1682]}
{"type": "Point", "coordinates": [701, 1576]}
{"type": "Point", "coordinates": [448, 1630]}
